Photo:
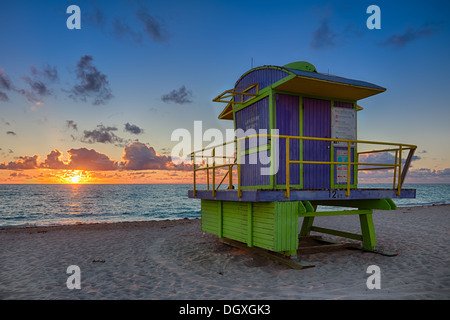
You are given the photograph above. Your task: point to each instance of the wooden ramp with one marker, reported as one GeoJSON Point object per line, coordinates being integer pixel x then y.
{"type": "Point", "coordinates": [308, 245]}
{"type": "Point", "coordinates": [291, 262]}
{"type": "Point", "coordinates": [315, 244]}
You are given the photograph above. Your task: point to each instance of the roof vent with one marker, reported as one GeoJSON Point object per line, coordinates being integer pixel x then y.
{"type": "Point", "coordinates": [301, 65]}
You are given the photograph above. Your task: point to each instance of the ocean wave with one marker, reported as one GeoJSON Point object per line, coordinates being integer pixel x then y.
{"type": "Point", "coordinates": [39, 205]}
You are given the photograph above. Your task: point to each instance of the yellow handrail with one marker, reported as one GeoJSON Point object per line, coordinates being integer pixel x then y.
{"type": "Point", "coordinates": [397, 165]}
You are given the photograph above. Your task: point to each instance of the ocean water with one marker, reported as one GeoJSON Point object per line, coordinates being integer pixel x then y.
{"type": "Point", "coordinates": [40, 205]}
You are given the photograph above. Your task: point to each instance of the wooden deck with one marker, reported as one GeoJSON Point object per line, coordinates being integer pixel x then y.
{"type": "Point", "coordinates": [254, 195]}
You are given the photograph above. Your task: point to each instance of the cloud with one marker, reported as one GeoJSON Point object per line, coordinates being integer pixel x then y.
{"type": "Point", "coordinates": [179, 96]}
{"type": "Point", "coordinates": [71, 125]}
{"type": "Point", "coordinates": [101, 135]}
{"type": "Point", "coordinates": [136, 156]}
{"type": "Point", "coordinates": [382, 157]}
{"type": "Point", "coordinates": [422, 175]}
{"type": "Point", "coordinates": [3, 96]}
{"type": "Point", "coordinates": [323, 37]}
{"type": "Point", "coordinates": [53, 161]}
{"type": "Point", "coordinates": [79, 159]}
{"type": "Point", "coordinates": [410, 35]}
{"type": "Point", "coordinates": [37, 92]}
{"type": "Point", "coordinates": [48, 72]}
{"type": "Point", "coordinates": [5, 84]}
{"type": "Point", "coordinates": [39, 83]}
{"type": "Point", "coordinates": [122, 29]}
{"type": "Point", "coordinates": [425, 175]}
{"type": "Point", "coordinates": [92, 83]}
{"type": "Point", "coordinates": [133, 128]}
{"type": "Point", "coordinates": [143, 24]}
{"type": "Point", "coordinates": [23, 163]}
{"type": "Point", "coordinates": [96, 16]}
{"type": "Point", "coordinates": [139, 156]}
{"type": "Point", "coordinates": [89, 159]}
{"type": "Point", "coordinates": [152, 27]}
{"type": "Point", "coordinates": [18, 175]}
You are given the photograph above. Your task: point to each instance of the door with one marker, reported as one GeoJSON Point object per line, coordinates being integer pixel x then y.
{"type": "Point", "coordinates": [287, 122]}
{"type": "Point", "coordinates": [316, 123]}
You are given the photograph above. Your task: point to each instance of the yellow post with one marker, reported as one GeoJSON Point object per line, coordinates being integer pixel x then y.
{"type": "Point", "coordinates": [395, 168]}
{"type": "Point", "coordinates": [214, 171]}
{"type": "Point", "coordinates": [349, 153]}
{"type": "Point", "coordinates": [287, 194]}
{"type": "Point", "coordinates": [207, 173]}
{"type": "Point", "coordinates": [230, 174]}
{"type": "Point", "coordinates": [399, 183]}
{"type": "Point", "coordinates": [238, 155]}
{"type": "Point", "coordinates": [193, 166]}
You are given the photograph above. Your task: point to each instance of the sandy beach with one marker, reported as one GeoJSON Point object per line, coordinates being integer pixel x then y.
{"type": "Point", "coordinates": [174, 259]}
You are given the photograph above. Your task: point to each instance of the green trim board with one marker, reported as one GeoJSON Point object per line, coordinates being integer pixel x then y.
{"type": "Point", "coordinates": [262, 187]}
{"type": "Point", "coordinates": [377, 204]}
{"type": "Point", "coordinates": [258, 148]}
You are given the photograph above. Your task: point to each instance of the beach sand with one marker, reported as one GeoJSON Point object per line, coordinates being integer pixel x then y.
{"type": "Point", "coordinates": [176, 260]}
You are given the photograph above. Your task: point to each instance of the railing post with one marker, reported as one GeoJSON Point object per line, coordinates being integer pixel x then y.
{"type": "Point", "coordinates": [395, 168]}
{"type": "Point", "coordinates": [230, 173]}
{"type": "Point", "coordinates": [207, 173]}
{"type": "Point", "coordinates": [193, 166]}
{"type": "Point", "coordinates": [214, 171]}
{"type": "Point", "coordinates": [287, 194]}
{"type": "Point", "coordinates": [399, 183]}
{"type": "Point", "coordinates": [239, 167]}
{"type": "Point", "coordinates": [407, 164]}
{"type": "Point", "coordinates": [349, 153]}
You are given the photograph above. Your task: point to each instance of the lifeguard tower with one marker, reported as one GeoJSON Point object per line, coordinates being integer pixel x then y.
{"type": "Point", "coordinates": [312, 160]}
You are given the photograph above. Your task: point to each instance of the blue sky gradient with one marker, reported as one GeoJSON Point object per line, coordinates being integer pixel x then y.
{"type": "Point", "coordinates": [141, 51]}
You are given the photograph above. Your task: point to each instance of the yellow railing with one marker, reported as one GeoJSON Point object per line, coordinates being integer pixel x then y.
{"type": "Point", "coordinates": [398, 177]}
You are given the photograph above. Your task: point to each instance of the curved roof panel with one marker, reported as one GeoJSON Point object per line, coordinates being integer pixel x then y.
{"type": "Point", "coordinates": [301, 81]}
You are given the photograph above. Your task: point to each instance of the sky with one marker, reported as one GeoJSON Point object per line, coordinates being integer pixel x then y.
{"type": "Point", "coordinates": [99, 104]}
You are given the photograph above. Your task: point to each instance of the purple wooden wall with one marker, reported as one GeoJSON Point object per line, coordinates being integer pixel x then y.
{"type": "Point", "coordinates": [287, 122]}
{"type": "Point", "coordinates": [316, 123]}
{"type": "Point", "coordinates": [255, 116]}
{"type": "Point", "coordinates": [264, 77]}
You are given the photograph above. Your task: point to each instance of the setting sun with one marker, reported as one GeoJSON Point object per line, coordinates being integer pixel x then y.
{"type": "Point", "coordinates": [75, 179]}
{"type": "Point", "coordinates": [75, 176]}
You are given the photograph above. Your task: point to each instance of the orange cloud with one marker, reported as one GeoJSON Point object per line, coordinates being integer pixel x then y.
{"type": "Point", "coordinates": [23, 163]}
{"type": "Point", "coordinates": [136, 156]}
{"type": "Point", "coordinates": [139, 156]}
{"type": "Point", "coordinates": [89, 159]}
